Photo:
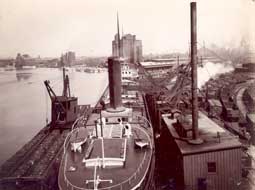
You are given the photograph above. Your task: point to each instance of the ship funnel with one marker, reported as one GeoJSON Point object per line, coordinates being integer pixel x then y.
{"type": "Point", "coordinates": [114, 74]}
{"type": "Point", "coordinates": [193, 36]}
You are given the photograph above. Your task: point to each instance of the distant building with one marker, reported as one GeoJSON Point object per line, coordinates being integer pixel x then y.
{"type": "Point", "coordinates": [129, 71]}
{"type": "Point", "coordinates": [25, 60]}
{"type": "Point", "coordinates": [6, 62]}
{"type": "Point", "coordinates": [19, 61]}
{"type": "Point", "coordinates": [130, 48]}
{"type": "Point", "coordinates": [248, 65]}
{"type": "Point", "coordinates": [67, 59]}
{"type": "Point", "coordinates": [159, 69]}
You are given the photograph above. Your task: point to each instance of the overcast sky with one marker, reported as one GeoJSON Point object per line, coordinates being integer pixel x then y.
{"type": "Point", "coordinates": [50, 27]}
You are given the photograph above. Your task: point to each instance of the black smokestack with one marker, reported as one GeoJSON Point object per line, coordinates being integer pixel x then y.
{"type": "Point", "coordinates": [114, 74]}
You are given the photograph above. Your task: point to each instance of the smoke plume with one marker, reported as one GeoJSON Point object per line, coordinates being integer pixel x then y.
{"type": "Point", "coordinates": [211, 70]}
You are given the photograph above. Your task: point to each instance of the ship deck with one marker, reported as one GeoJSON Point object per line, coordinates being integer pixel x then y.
{"type": "Point", "coordinates": [116, 161]}
{"type": "Point", "coordinates": [126, 176]}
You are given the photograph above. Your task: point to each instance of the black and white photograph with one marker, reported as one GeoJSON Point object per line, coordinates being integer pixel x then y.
{"type": "Point", "coordinates": [127, 95]}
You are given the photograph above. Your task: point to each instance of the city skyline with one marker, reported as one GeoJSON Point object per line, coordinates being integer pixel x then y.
{"type": "Point", "coordinates": [49, 28]}
{"type": "Point", "coordinates": [130, 48]}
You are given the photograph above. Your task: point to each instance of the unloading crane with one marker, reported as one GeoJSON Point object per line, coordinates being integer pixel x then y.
{"type": "Point", "coordinates": [170, 95]}
{"type": "Point", "coordinates": [63, 108]}
{"type": "Point", "coordinates": [56, 103]}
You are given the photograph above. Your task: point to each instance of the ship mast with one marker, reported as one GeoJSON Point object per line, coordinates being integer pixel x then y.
{"type": "Point", "coordinates": [118, 33]}
{"type": "Point", "coordinates": [114, 78]}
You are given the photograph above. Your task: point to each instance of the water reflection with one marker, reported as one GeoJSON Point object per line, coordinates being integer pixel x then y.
{"type": "Point", "coordinates": [25, 104]}
{"type": "Point", "coordinates": [23, 76]}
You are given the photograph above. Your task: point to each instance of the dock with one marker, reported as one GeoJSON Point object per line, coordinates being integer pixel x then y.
{"type": "Point", "coordinates": [36, 164]}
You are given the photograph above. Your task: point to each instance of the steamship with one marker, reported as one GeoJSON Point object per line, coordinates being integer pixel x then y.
{"type": "Point", "coordinates": [114, 149]}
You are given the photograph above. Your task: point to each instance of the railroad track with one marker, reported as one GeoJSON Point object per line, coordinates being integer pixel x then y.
{"type": "Point", "coordinates": [47, 158]}
{"type": "Point", "coordinates": [31, 159]}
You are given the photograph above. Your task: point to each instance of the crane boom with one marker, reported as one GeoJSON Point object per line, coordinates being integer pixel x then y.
{"type": "Point", "coordinates": [53, 96]}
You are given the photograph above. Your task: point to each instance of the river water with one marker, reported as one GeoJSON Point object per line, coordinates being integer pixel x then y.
{"type": "Point", "coordinates": [25, 103]}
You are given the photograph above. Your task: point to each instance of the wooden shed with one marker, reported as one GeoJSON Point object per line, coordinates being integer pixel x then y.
{"type": "Point", "coordinates": [214, 164]}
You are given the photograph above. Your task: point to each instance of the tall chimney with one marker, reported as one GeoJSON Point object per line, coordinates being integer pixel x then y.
{"type": "Point", "coordinates": [114, 74]}
{"type": "Point", "coordinates": [193, 21]}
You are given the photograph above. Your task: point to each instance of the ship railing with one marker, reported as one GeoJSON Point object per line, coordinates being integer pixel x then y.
{"type": "Point", "coordinates": [128, 182]}
{"type": "Point", "coordinates": [73, 129]}
{"type": "Point", "coordinates": [148, 128]}
{"type": "Point", "coordinates": [132, 180]}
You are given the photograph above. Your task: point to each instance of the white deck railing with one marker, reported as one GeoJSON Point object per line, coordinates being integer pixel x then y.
{"type": "Point", "coordinates": [131, 181]}
{"type": "Point", "coordinates": [127, 182]}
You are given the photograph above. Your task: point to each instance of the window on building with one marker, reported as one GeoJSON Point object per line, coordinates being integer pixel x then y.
{"type": "Point", "coordinates": [211, 167]}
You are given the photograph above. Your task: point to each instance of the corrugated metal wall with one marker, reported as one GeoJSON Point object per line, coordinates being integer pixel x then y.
{"type": "Point", "coordinates": [228, 169]}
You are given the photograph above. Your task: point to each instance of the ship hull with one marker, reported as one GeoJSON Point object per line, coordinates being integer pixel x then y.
{"type": "Point", "coordinates": [141, 178]}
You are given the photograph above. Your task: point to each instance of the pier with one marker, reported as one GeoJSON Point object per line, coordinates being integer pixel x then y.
{"type": "Point", "coordinates": [35, 165]}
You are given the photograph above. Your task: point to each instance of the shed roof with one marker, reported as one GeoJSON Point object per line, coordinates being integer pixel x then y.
{"type": "Point", "coordinates": [215, 137]}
